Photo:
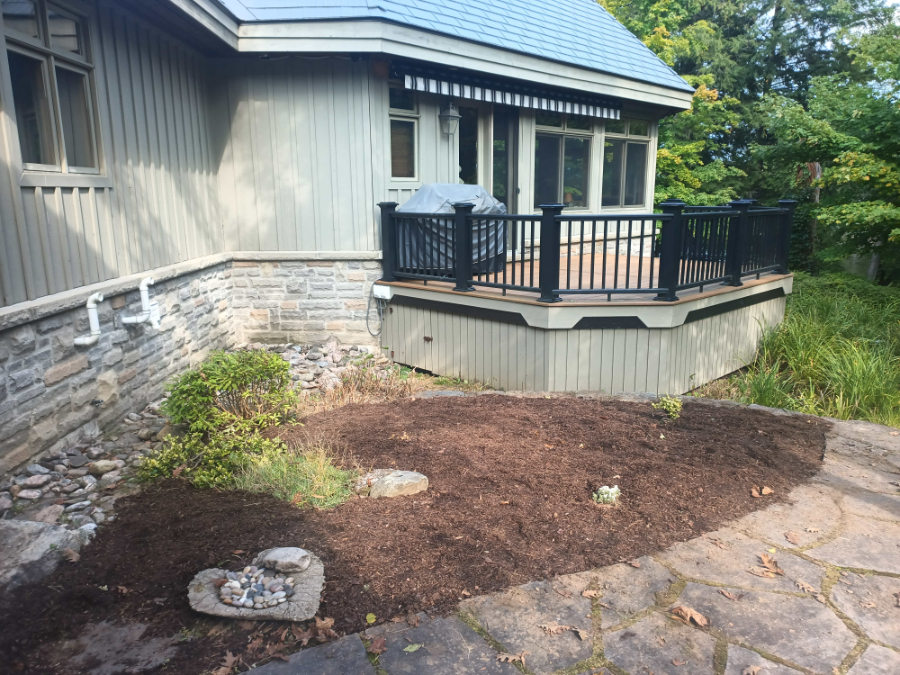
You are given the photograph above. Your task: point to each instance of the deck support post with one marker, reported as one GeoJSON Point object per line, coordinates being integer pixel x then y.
{"type": "Point", "coordinates": [548, 276]}
{"type": "Point", "coordinates": [784, 251]}
{"type": "Point", "coordinates": [388, 241]}
{"type": "Point", "coordinates": [462, 237]}
{"type": "Point", "coordinates": [737, 236]}
{"type": "Point", "coordinates": [670, 249]}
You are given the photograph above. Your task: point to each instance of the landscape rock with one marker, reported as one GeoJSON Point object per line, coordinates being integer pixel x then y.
{"type": "Point", "coordinates": [31, 550]}
{"type": "Point", "coordinates": [48, 514]}
{"type": "Point", "coordinates": [37, 481]}
{"type": "Point", "coordinates": [36, 470]}
{"type": "Point", "coordinates": [391, 483]}
{"type": "Point", "coordinates": [101, 466]}
{"type": "Point", "coordinates": [284, 559]}
{"type": "Point", "coordinates": [30, 494]}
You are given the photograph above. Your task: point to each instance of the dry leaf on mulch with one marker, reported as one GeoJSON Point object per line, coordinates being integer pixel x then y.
{"type": "Point", "coordinates": [71, 555]}
{"type": "Point", "coordinates": [228, 664]}
{"type": "Point", "coordinates": [758, 491]}
{"type": "Point", "coordinates": [686, 615]}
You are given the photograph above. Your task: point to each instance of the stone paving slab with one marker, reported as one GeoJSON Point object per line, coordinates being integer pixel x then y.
{"type": "Point", "coordinates": [858, 438]}
{"type": "Point", "coordinates": [447, 647]}
{"type": "Point", "coordinates": [660, 646]}
{"type": "Point", "coordinates": [626, 590]}
{"type": "Point", "coordinates": [864, 544]}
{"type": "Point", "coordinates": [740, 659]}
{"type": "Point", "coordinates": [810, 507]}
{"type": "Point", "coordinates": [515, 618]}
{"type": "Point", "coordinates": [877, 661]}
{"type": "Point", "coordinates": [346, 656]}
{"type": "Point", "coordinates": [725, 556]}
{"type": "Point", "coordinates": [842, 473]}
{"type": "Point", "coordinates": [873, 603]}
{"type": "Point", "coordinates": [800, 630]}
{"type": "Point", "coordinates": [873, 505]}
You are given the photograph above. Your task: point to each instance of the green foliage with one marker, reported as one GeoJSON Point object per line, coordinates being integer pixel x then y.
{"type": "Point", "coordinates": [837, 353]}
{"type": "Point", "coordinates": [244, 389]}
{"type": "Point", "coordinates": [207, 462]}
{"type": "Point", "coordinates": [607, 494]}
{"type": "Point", "coordinates": [670, 405]}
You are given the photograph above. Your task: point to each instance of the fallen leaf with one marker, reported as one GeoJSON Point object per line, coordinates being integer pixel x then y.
{"type": "Point", "coordinates": [812, 530]}
{"type": "Point", "coordinates": [303, 636]}
{"type": "Point", "coordinates": [228, 664]}
{"type": "Point", "coordinates": [590, 594]}
{"type": "Point", "coordinates": [218, 629]}
{"type": "Point", "coordinates": [71, 555]}
{"type": "Point", "coordinates": [218, 583]}
{"type": "Point", "coordinates": [731, 596]}
{"type": "Point", "coordinates": [869, 605]}
{"type": "Point", "coordinates": [678, 662]}
{"type": "Point", "coordinates": [792, 537]}
{"type": "Point", "coordinates": [805, 587]}
{"type": "Point", "coordinates": [686, 614]}
{"type": "Point", "coordinates": [238, 552]}
{"type": "Point", "coordinates": [721, 544]}
{"type": "Point", "coordinates": [634, 563]}
{"type": "Point", "coordinates": [122, 590]}
{"type": "Point", "coordinates": [414, 647]}
{"type": "Point", "coordinates": [177, 471]}
{"type": "Point", "coordinates": [819, 597]}
{"type": "Point", "coordinates": [767, 491]}
{"type": "Point", "coordinates": [503, 503]}
{"type": "Point", "coordinates": [751, 670]}
{"type": "Point", "coordinates": [897, 597]}
{"type": "Point", "coordinates": [582, 634]}
{"type": "Point", "coordinates": [563, 593]}
{"type": "Point", "coordinates": [412, 619]}
{"type": "Point", "coordinates": [554, 628]}
{"type": "Point", "coordinates": [771, 564]}
{"type": "Point", "coordinates": [513, 658]}
{"type": "Point", "coordinates": [371, 618]}
{"type": "Point", "coordinates": [894, 433]}
{"type": "Point", "coordinates": [761, 572]}
{"type": "Point", "coordinates": [377, 646]}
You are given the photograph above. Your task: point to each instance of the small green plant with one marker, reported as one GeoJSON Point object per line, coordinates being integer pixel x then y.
{"type": "Point", "coordinates": [670, 405]}
{"type": "Point", "coordinates": [607, 495]}
{"type": "Point", "coordinates": [242, 390]}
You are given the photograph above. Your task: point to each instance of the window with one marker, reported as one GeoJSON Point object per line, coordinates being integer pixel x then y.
{"type": "Point", "coordinates": [468, 145]}
{"type": "Point", "coordinates": [625, 163]}
{"type": "Point", "coordinates": [50, 73]}
{"type": "Point", "coordinates": [404, 120]}
{"type": "Point", "coordinates": [562, 159]}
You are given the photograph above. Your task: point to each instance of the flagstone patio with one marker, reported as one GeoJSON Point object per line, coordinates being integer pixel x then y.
{"type": "Point", "coordinates": [828, 604]}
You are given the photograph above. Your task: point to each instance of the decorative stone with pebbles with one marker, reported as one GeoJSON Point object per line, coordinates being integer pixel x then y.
{"type": "Point", "coordinates": [390, 483]}
{"type": "Point", "coordinates": [259, 592]}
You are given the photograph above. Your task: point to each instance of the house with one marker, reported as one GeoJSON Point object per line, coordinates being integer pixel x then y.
{"type": "Point", "coordinates": [181, 175]}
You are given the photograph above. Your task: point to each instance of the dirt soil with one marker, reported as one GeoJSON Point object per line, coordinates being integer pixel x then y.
{"type": "Point", "coordinates": [509, 502]}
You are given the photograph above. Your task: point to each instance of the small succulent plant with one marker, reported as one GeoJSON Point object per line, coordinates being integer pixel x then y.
{"type": "Point", "coordinates": [607, 494]}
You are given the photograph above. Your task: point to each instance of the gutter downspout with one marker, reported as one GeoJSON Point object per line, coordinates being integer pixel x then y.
{"type": "Point", "coordinates": [144, 316]}
{"type": "Point", "coordinates": [88, 340]}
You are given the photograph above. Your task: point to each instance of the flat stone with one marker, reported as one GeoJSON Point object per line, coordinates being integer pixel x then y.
{"type": "Point", "coordinates": [449, 647]}
{"type": "Point", "coordinates": [109, 649]}
{"type": "Point", "coordinates": [864, 544]}
{"type": "Point", "coordinates": [626, 590]}
{"type": "Point", "coordinates": [30, 495]}
{"type": "Point", "coordinates": [728, 561]}
{"type": "Point", "coordinates": [653, 643]}
{"type": "Point", "coordinates": [36, 470]}
{"type": "Point", "coordinates": [48, 514]}
{"type": "Point", "coordinates": [872, 602]}
{"type": "Point", "coordinates": [78, 461]}
{"type": "Point", "coordinates": [391, 483]}
{"type": "Point", "coordinates": [204, 596]}
{"type": "Point", "coordinates": [101, 466]}
{"type": "Point", "coordinates": [284, 559]}
{"type": "Point", "coordinates": [440, 393]}
{"type": "Point", "coordinates": [346, 656]}
{"type": "Point", "coordinates": [810, 507]}
{"type": "Point", "coordinates": [739, 659]}
{"type": "Point", "coordinates": [515, 617]}
{"type": "Point", "coordinates": [31, 551]}
{"type": "Point", "coordinates": [873, 505]}
{"type": "Point", "coordinates": [801, 631]}
{"type": "Point", "coordinates": [110, 478]}
{"type": "Point", "coordinates": [842, 473]}
{"type": "Point", "coordinates": [859, 437]}
{"type": "Point", "coordinates": [36, 481]}
{"type": "Point", "coordinates": [877, 661]}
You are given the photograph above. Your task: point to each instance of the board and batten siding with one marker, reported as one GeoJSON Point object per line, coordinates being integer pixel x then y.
{"type": "Point", "coordinates": [158, 205]}
{"type": "Point", "coordinates": [515, 357]}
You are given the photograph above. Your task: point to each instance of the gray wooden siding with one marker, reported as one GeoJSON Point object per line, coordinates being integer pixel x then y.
{"type": "Point", "coordinates": [162, 207]}
{"type": "Point", "coordinates": [510, 357]}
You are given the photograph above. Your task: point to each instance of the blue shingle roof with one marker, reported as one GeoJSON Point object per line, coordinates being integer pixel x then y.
{"type": "Point", "coordinates": [577, 32]}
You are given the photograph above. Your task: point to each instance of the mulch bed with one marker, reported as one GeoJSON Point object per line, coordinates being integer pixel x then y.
{"type": "Point", "coordinates": [509, 502]}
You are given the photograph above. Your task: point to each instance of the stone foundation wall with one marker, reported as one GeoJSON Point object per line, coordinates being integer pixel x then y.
{"type": "Point", "coordinates": [303, 301]}
{"type": "Point", "coordinates": [53, 393]}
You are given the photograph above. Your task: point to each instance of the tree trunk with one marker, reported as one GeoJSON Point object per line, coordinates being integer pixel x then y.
{"type": "Point", "coordinates": [873, 267]}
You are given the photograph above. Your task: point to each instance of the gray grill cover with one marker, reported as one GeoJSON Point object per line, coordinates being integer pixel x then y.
{"type": "Point", "coordinates": [428, 245]}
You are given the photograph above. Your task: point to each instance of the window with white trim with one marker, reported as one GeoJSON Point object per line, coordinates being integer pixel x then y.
{"type": "Point", "coordinates": [562, 159]}
{"type": "Point", "coordinates": [51, 73]}
{"type": "Point", "coordinates": [404, 133]}
{"type": "Point", "coordinates": [626, 153]}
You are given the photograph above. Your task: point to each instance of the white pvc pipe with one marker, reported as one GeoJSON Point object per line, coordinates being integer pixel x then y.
{"type": "Point", "coordinates": [93, 320]}
{"type": "Point", "coordinates": [144, 316]}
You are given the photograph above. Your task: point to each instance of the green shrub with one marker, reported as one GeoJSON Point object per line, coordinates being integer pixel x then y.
{"type": "Point", "coordinates": [211, 460]}
{"type": "Point", "coordinates": [671, 405]}
{"type": "Point", "coordinates": [241, 390]}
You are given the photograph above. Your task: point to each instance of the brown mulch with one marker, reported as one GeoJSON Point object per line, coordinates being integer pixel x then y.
{"type": "Point", "coordinates": [509, 502]}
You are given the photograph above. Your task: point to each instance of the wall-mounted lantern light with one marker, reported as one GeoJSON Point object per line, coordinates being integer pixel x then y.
{"type": "Point", "coordinates": [449, 119]}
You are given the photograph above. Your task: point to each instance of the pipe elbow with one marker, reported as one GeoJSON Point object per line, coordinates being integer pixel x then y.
{"type": "Point", "coordinates": [93, 319]}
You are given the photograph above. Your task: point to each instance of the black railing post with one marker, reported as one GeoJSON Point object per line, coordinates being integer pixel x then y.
{"type": "Point", "coordinates": [462, 234]}
{"type": "Point", "coordinates": [670, 249]}
{"type": "Point", "coordinates": [784, 250]}
{"type": "Point", "coordinates": [388, 241]}
{"type": "Point", "coordinates": [737, 235]}
{"type": "Point", "coordinates": [548, 273]}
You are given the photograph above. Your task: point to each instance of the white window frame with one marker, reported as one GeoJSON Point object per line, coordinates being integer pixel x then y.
{"type": "Point", "coordinates": [628, 138]}
{"type": "Point", "coordinates": [401, 115]}
{"type": "Point", "coordinates": [565, 132]}
{"type": "Point", "coordinates": [51, 58]}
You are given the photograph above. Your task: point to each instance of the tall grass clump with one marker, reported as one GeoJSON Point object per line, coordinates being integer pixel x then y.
{"type": "Point", "coordinates": [363, 382]}
{"type": "Point", "coordinates": [837, 353]}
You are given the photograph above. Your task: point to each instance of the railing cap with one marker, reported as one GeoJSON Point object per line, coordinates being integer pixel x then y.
{"type": "Point", "coordinates": [383, 204]}
{"type": "Point", "coordinates": [674, 201]}
{"type": "Point", "coordinates": [462, 206]}
{"type": "Point", "coordinates": [552, 206]}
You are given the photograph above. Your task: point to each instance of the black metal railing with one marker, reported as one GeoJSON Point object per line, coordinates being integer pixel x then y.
{"type": "Point", "coordinates": [556, 253]}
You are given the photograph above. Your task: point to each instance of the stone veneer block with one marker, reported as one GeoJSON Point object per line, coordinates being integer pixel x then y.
{"type": "Point", "coordinates": [877, 661]}
{"type": "Point", "coordinates": [655, 642]}
{"type": "Point", "coordinates": [873, 602]}
{"type": "Point", "coordinates": [864, 544]}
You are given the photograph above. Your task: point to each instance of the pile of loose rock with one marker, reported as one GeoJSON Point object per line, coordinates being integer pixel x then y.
{"type": "Point", "coordinates": [256, 588]}
{"type": "Point", "coordinates": [317, 368]}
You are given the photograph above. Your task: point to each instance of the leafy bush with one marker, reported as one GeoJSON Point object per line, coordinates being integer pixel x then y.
{"type": "Point", "coordinates": [245, 389]}
{"type": "Point", "coordinates": [208, 461]}
{"type": "Point", "coordinates": [671, 405]}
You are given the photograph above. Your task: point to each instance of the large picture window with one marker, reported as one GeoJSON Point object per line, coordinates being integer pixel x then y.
{"type": "Point", "coordinates": [50, 73]}
{"type": "Point", "coordinates": [562, 160]}
{"type": "Point", "coordinates": [625, 162]}
{"type": "Point", "coordinates": [404, 122]}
